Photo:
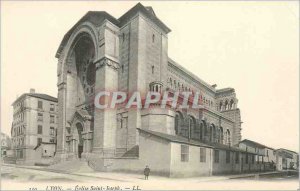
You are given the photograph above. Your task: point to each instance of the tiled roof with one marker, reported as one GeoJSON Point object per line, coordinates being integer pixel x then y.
{"type": "Point", "coordinates": [286, 150]}
{"type": "Point", "coordinates": [43, 96]}
{"type": "Point", "coordinates": [180, 139]}
{"type": "Point", "coordinates": [254, 144]}
{"type": "Point", "coordinates": [174, 138]}
{"type": "Point", "coordinates": [284, 153]}
{"type": "Point", "coordinates": [37, 95]}
{"type": "Point", "coordinates": [190, 75]}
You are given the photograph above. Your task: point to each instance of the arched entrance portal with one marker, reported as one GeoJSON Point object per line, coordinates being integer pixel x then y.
{"type": "Point", "coordinates": [80, 139]}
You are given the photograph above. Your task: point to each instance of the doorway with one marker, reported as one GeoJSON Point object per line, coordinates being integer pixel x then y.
{"type": "Point", "coordinates": [80, 139]}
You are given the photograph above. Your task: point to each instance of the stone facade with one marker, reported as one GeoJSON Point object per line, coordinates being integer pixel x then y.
{"type": "Point", "coordinates": [34, 122]}
{"type": "Point", "coordinates": [131, 54]}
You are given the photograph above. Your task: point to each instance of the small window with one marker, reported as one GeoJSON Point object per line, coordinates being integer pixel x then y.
{"type": "Point", "coordinates": [40, 104]}
{"type": "Point", "coordinates": [227, 156]}
{"type": "Point", "coordinates": [202, 155]}
{"type": "Point", "coordinates": [123, 37]}
{"type": "Point", "coordinates": [253, 159]}
{"type": "Point", "coordinates": [52, 107]}
{"type": "Point", "coordinates": [40, 129]}
{"type": "Point", "coordinates": [153, 38]}
{"type": "Point", "coordinates": [52, 132]}
{"type": "Point", "coordinates": [52, 120]}
{"type": "Point", "coordinates": [152, 68]}
{"type": "Point", "coordinates": [51, 140]}
{"type": "Point", "coordinates": [247, 158]}
{"type": "Point", "coordinates": [40, 117]}
{"type": "Point", "coordinates": [184, 153]}
{"type": "Point", "coordinates": [216, 156]}
{"type": "Point", "coordinates": [122, 68]}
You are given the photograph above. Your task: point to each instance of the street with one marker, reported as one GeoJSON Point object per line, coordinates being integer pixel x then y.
{"type": "Point", "coordinates": [13, 177]}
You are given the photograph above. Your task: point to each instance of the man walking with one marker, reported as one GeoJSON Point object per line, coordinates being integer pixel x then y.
{"type": "Point", "coordinates": [146, 172]}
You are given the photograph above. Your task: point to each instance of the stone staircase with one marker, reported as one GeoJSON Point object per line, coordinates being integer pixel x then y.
{"type": "Point", "coordinates": [71, 166]}
{"type": "Point", "coordinates": [133, 152]}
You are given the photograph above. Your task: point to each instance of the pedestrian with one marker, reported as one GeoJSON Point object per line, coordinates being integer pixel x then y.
{"type": "Point", "coordinates": [146, 172]}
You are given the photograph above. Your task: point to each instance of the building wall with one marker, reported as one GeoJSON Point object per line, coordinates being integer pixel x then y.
{"type": "Point", "coordinates": [25, 129]}
{"type": "Point", "coordinates": [159, 120]}
{"type": "Point", "coordinates": [154, 152]}
{"type": "Point", "coordinates": [192, 167]}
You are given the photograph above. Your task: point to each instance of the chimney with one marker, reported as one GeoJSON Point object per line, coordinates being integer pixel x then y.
{"type": "Point", "coordinates": [214, 86]}
{"type": "Point", "coordinates": [32, 91]}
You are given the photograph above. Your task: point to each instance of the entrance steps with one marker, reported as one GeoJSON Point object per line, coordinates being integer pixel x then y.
{"type": "Point", "coordinates": [71, 166]}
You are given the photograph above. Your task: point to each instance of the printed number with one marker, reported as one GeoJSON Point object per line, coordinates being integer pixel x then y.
{"type": "Point", "coordinates": [32, 188]}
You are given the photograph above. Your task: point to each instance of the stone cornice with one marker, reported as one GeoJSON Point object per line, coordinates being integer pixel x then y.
{"type": "Point", "coordinates": [104, 61]}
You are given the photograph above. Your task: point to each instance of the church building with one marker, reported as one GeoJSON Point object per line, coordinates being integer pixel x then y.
{"type": "Point", "coordinates": [103, 53]}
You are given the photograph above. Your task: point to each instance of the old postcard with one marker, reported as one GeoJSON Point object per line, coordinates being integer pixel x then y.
{"type": "Point", "coordinates": [149, 95]}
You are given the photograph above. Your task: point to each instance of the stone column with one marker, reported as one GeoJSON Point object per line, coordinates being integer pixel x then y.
{"type": "Point", "coordinates": [105, 122]}
{"type": "Point", "coordinates": [61, 137]}
{"type": "Point", "coordinates": [107, 65]}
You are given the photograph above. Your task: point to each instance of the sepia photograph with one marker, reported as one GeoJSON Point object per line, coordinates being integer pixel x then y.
{"type": "Point", "coordinates": [149, 95]}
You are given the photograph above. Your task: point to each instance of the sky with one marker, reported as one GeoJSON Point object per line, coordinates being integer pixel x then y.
{"type": "Point", "coordinates": [250, 46]}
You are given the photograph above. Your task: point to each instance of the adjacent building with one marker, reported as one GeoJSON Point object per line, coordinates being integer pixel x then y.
{"type": "Point", "coordinates": [264, 154]}
{"type": "Point", "coordinates": [5, 144]}
{"type": "Point", "coordinates": [34, 123]}
{"type": "Point", "coordinates": [286, 159]}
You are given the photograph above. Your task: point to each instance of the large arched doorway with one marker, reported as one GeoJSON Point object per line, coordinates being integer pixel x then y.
{"type": "Point", "coordinates": [84, 56]}
{"type": "Point", "coordinates": [81, 84]}
{"type": "Point", "coordinates": [80, 139]}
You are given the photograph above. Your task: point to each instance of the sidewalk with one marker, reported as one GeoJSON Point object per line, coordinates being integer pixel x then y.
{"type": "Point", "coordinates": [130, 177]}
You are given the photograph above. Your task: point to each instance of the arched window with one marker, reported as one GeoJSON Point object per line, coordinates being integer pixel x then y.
{"type": "Point", "coordinates": [201, 131]}
{"type": "Point", "coordinates": [152, 69]}
{"type": "Point", "coordinates": [212, 133]}
{"type": "Point", "coordinates": [228, 141]}
{"type": "Point", "coordinates": [153, 37]}
{"type": "Point", "coordinates": [231, 104]}
{"type": "Point", "coordinates": [221, 135]}
{"type": "Point", "coordinates": [217, 135]}
{"type": "Point", "coordinates": [226, 105]}
{"type": "Point", "coordinates": [206, 132]}
{"type": "Point", "coordinates": [178, 122]}
{"type": "Point", "coordinates": [220, 106]}
{"type": "Point", "coordinates": [193, 130]}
